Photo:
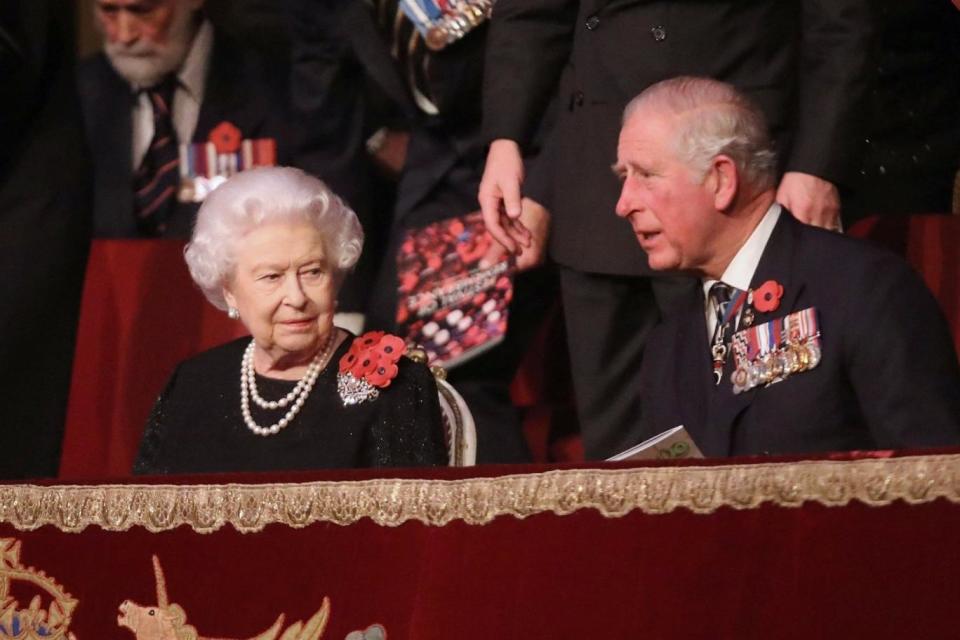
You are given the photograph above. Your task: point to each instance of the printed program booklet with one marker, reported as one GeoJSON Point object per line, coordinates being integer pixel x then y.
{"type": "Point", "coordinates": [449, 303]}
{"type": "Point", "coordinates": [672, 444]}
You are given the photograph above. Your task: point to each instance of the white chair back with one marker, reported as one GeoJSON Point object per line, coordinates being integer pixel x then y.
{"type": "Point", "coordinates": [460, 430]}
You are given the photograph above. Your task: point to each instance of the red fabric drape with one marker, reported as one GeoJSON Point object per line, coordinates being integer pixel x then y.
{"type": "Point", "coordinates": [140, 315]}
{"type": "Point", "coordinates": [767, 572]}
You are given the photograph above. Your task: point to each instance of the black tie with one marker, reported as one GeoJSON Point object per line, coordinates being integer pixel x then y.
{"type": "Point", "coordinates": [155, 182]}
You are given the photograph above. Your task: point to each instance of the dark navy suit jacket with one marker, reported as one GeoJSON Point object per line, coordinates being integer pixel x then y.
{"type": "Point", "coordinates": [888, 377]}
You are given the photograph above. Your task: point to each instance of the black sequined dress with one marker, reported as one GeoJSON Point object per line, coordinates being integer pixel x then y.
{"type": "Point", "coordinates": [196, 425]}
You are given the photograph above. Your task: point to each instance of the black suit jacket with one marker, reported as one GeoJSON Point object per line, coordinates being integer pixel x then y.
{"type": "Point", "coordinates": [803, 61]}
{"type": "Point", "coordinates": [347, 84]}
{"type": "Point", "coordinates": [344, 76]}
{"type": "Point", "coordinates": [238, 90]}
{"type": "Point", "coordinates": [888, 377]}
{"type": "Point", "coordinates": [44, 230]}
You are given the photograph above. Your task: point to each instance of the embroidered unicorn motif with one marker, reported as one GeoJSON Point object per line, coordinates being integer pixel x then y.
{"type": "Point", "coordinates": [168, 621]}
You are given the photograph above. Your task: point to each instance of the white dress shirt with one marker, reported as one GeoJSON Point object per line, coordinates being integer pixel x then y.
{"type": "Point", "coordinates": [186, 99]}
{"type": "Point", "coordinates": [740, 271]}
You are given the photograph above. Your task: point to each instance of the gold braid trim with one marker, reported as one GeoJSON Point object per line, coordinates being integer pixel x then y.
{"type": "Point", "coordinates": [391, 502]}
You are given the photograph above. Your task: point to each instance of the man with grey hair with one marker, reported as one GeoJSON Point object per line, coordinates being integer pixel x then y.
{"type": "Point", "coordinates": [800, 339]}
{"type": "Point", "coordinates": [805, 62]}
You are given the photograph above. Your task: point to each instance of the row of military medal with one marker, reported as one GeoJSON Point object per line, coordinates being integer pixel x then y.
{"type": "Point", "coordinates": [443, 22]}
{"type": "Point", "coordinates": [773, 351]}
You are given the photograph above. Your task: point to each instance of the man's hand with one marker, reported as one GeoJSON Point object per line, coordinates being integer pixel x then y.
{"type": "Point", "coordinates": [536, 220]}
{"type": "Point", "coordinates": [390, 152]}
{"type": "Point", "coordinates": [810, 199]}
{"type": "Point", "coordinates": [499, 195]}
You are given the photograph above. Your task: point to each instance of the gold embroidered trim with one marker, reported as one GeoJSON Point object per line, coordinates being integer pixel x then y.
{"type": "Point", "coordinates": [391, 502]}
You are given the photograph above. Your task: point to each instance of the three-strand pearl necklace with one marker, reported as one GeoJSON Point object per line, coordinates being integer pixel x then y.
{"type": "Point", "coordinates": [248, 389]}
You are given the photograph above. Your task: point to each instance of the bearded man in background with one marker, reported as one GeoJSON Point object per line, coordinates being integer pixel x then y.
{"type": "Point", "coordinates": [167, 76]}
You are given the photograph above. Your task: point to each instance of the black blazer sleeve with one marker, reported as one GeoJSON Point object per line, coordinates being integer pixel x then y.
{"type": "Point", "coordinates": [836, 40]}
{"type": "Point", "coordinates": [529, 44]}
{"type": "Point", "coordinates": [901, 360]}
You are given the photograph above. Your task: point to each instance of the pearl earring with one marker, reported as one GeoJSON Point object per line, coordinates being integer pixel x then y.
{"type": "Point", "coordinates": [232, 313]}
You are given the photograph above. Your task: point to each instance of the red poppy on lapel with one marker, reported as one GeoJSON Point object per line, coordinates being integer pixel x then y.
{"type": "Point", "coordinates": [766, 297]}
{"type": "Point", "coordinates": [226, 138]}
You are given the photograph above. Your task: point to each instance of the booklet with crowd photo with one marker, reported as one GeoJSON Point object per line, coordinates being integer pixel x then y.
{"type": "Point", "coordinates": [451, 302]}
{"type": "Point", "coordinates": [672, 444]}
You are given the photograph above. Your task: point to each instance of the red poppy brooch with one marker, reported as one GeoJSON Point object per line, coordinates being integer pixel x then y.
{"type": "Point", "coordinates": [766, 297]}
{"type": "Point", "coordinates": [369, 365]}
{"type": "Point", "coordinates": [226, 138]}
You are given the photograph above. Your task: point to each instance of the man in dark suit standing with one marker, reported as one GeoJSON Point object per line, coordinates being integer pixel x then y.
{"type": "Point", "coordinates": [413, 108]}
{"type": "Point", "coordinates": [800, 339]}
{"type": "Point", "coordinates": [803, 61]}
{"type": "Point", "coordinates": [44, 230]}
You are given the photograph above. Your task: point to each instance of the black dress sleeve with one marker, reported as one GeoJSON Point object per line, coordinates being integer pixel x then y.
{"type": "Point", "coordinates": [155, 434]}
{"type": "Point", "coordinates": [408, 431]}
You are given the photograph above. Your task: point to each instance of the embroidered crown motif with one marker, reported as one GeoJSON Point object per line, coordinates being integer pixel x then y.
{"type": "Point", "coordinates": [34, 621]}
{"type": "Point", "coordinates": [369, 365]}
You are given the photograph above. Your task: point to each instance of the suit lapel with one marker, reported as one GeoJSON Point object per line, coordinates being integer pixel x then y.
{"type": "Point", "coordinates": [692, 371]}
{"type": "Point", "coordinates": [228, 94]}
{"type": "Point", "coordinates": [776, 263]}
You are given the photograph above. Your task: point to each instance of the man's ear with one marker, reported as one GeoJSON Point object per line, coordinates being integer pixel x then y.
{"type": "Point", "coordinates": [724, 181]}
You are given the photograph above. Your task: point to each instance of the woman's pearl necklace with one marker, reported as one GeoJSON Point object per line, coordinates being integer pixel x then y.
{"type": "Point", "coordinates": [248, 388]}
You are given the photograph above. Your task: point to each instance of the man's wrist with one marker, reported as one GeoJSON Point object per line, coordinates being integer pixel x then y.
{"type": "Point", "coordinates": [504, 145]}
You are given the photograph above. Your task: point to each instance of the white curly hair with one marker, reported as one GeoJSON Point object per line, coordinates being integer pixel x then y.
{"type": "Point", "coordinates": [261, 196]}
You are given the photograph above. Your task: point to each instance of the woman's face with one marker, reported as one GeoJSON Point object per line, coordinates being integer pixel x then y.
{"type": "Point", "coordinates": [284, 289]}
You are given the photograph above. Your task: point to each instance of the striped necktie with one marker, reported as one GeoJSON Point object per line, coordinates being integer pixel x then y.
{"type": "Point", "coordinates": [720, 294]}
{"type": "Point", "coordinates": [727, 301]}
{"type": "Point", "coordinates": [155, 182]}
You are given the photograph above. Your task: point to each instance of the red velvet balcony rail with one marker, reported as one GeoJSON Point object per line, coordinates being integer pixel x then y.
{"type": "Point", "coordinates": [857, 546]}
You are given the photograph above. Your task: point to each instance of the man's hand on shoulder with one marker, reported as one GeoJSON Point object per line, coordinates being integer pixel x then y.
{"type": "Point", "coordinates": [500, 198]}
{"type": "Point", "coordinates": [810, 199]}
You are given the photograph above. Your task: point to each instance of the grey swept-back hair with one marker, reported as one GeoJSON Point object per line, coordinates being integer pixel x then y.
{"type": "Point", "coordinates": [713, 118]}
{"type": "Point", "coordinates": [261, 196]}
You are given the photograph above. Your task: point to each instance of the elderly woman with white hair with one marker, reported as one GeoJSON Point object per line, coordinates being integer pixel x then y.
{"type": "Point", "coordinates": [271, 247]}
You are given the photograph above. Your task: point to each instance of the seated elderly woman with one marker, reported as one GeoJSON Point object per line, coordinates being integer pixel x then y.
{"type": "Point", "coordinates": [271, 247]}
